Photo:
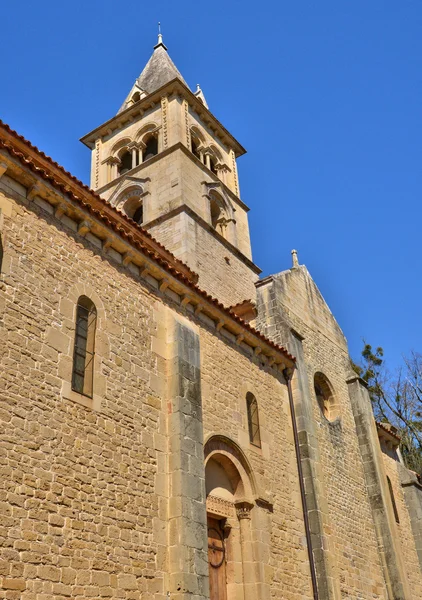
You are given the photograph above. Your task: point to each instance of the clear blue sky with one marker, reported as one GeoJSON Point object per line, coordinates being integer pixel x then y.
{"type": "Point", "coordinates": [325, 95]}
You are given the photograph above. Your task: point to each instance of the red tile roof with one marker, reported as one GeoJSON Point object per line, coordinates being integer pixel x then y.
{"type": "Point", "coordinates": [45, 167]}
{"type": "Point", "coordinates": [384, 427]}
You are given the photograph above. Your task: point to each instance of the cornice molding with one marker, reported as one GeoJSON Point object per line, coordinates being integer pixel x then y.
{"type": "Point", "coordinates": [189, 211]}
{"type": "Point", "coordinates": [175, 86]}
{"type": "Point", "coordinates": [62, 193]}
{"type": "Point", "coordinates": [48, 175]}
{"type": "Point", "coordinates": [178, 146]}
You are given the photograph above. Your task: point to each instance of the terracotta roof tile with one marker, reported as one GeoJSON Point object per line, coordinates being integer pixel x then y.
{"type": "Point", "coordinates": [388, 430]}
{"type": "Point", "coordinates": [189, 281]}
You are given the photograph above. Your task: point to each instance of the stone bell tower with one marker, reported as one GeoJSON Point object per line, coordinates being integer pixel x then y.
{"type": "Point", "coordinates": [170, 165]}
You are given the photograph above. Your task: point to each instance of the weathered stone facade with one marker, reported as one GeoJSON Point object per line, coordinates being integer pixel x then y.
{"type": "Point", "coordinates": [110, 494]}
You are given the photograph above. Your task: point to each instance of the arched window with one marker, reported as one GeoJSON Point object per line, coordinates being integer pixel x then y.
{"type": "Point", "coordinates": [133, 205]}
{"type": "Point", "coordinates": [253, 420]}
{"type": "Point", "coordinates": [197, 141]}
{"type": "Point", "coordinates": [136, 97]}
{"type": "Point", "coordinates": [83, 353]}
{"type": "Point", "coordinates": [138, 215]}
{"type": "Point", "coordinates": [212, 165]}
{"type": "Point", "coordinates": [194, 147]}
{"type": "Point", "coordinates": [216, 212]}
{"type": "Point", "coordinates": [125, 162]}
{"type": "Point", "coordinates": [325, 397]}
{"type": "Point", "coordinates": [151, 147]}
{"type": "Point", "coordinates": [393, 500]}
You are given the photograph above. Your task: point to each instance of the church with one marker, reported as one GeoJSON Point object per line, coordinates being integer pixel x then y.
{"type": "Point", "coordinates": [173, 425]}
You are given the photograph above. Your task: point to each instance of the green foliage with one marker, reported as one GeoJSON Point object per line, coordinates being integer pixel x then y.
{"type": "Point", "coordinates": [396, 399]}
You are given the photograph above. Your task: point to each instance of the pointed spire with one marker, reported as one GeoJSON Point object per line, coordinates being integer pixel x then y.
{"type": "Point", "coordinates": [160, 39]}
{"type": "Point", "coordinates": [158, 71]}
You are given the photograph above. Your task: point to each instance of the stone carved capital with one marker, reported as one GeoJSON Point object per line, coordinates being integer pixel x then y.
{"type": "Point", "coordinates": [135, 145]}
{"type": "Point", "coordinates": [243, 510]}
{"type": "Point", "coordinates": [111, 160]}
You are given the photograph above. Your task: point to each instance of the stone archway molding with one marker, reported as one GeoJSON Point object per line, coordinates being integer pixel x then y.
{"type": "Point", "coordinates": [131, 186]}
{"type": "Point", "coordinates": [219, 445]}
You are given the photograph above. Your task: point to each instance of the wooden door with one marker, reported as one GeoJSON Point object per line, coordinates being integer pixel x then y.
{"type": "Point", "coordinates": [216, 561]}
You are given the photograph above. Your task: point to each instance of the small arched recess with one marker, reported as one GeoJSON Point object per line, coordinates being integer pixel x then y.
{"type": "Point", "coordinates": [148, 141]}
{"type": "Point", "coordinates": [221, 214]}
{"type": "Point", "coordinates": [131, 203]}
{"type": "Point", "coordinates": [325, 396]}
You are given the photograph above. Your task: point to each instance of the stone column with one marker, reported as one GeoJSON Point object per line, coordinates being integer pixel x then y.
{"type": "Point", "coordinates": [114, 170]}
{"type": "Point", "coordinates": [234, 563]}
{"type": "Point", "coordinates": [376, 483]}
{"type": "Point", "coordinates": [141, 147]}
{"type": "Point", "coordinates": [243, 510]}
{"type": "Point", "coordinates": [134, 157]}
{"type": "Point", "coordinates": [187, 520]}
{"type": "Point", "coordinates": [221, 172]}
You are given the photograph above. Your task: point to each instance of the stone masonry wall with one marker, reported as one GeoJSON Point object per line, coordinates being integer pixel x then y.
{"type": "Point", "coordinates": [78, 486]}
{"type": "Point", "coordinates": [176, 180]}
{"type": "Point", "coordinates": [296, 303]}
{"type": "Point", "coordinates": [221, 273]}
{"type": "Point", "coordinates": [404, 528]}
{"type": "Point", "coordinates": [280, 539]}
{"type": "Point", "coordinates": [95, 493]}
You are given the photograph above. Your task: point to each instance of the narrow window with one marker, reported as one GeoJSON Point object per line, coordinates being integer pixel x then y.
{"type": "Point", "coordinates": [322, 399]}
{"type": "Point", "coordinates": [194, 147]}
{"type": "Point", "coordinates": [215, 213]}
{"type": "Point", "coordinates": [393, 500]}
{"type": "Point", "coordinates": [212, 166]}
{"type": "Point", "coordinates": [253, 420]}
{"type": "Point", "coordinates": [151, 148]}
{"type": "Point", "coordinates": [83, 354]}
{"type": "Point", "coordinates": [125, 163]}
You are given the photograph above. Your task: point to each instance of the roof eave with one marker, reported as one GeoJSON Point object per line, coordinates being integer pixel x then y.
{"type": "Point", "coordinates": [152, 99]}
{"type": "Point", "coordinates": [45, 168]}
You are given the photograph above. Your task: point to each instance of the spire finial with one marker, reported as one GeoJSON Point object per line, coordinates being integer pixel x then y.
{"type": "Point", "coordinates": [295, 259]}
{"type": "Point", "coordinates": [160, 38]}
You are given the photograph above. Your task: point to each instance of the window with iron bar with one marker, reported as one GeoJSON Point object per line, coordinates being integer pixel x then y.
{"type": "Point", "coordinates": [83, 354]}
{"type": "Point", "coordinates": [253, 420]}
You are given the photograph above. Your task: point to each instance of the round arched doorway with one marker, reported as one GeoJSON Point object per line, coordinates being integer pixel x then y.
{"type": "Point", "coordinates": [229, 504]}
